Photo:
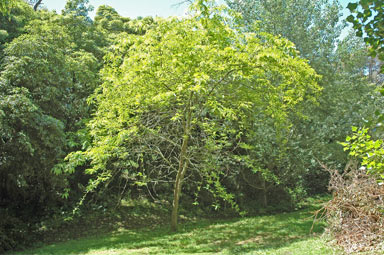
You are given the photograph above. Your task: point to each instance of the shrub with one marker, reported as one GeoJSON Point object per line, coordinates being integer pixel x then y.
{"type": "Point", "coordinates": [13, 232]}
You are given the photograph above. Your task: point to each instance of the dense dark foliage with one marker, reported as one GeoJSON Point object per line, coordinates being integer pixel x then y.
{"type": "Point", "coordinates": [49, 67]}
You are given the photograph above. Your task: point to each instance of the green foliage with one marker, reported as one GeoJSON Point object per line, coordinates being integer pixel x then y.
{"type": "Point", "coordinates": [370, 151]}
{"type": "Point", "coordinates": [5, 6]}
{"type": "Point", "coordinates": [78, 8]}
{"type": "Point", "coordinates": [347, 96]}
{"type": "Point", "coordinates": [45, 80]}
{"type": "Point", "coordinates": [13, 22]}
{"type": "Point", "coordinates": [34, 54]}
{"type": "Point", "coordinates": [198, 72]}
{"type": "Point", "coordinates": [3, 36]}
{"type": "Point", "coordinates": [214, 95]}
{"type": "Point", "coordinates": [367, 19]}
{"type": "Point", "coordinates": [312, 25]}
{"type": "Point", "coordinates": [366, 144]}
{"type": "Point", "coordinates": [107, 19]}
{"type": "Point", "coordinates": [13, 231]}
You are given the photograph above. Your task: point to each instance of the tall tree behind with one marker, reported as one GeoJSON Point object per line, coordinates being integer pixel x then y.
{"type": "Point", "coordinates": [47, 74]}
{"type": "Point", "coordinates": [78, 8]}
{"type": "Point", "coordinates": [12, 22]}
{"type": "Point", "coordinates": [368, 20]}
{"type": "Point", "coordinates": [367, 144]}
{"type": "Point", "coordinates": [314, 26]}
{"type": "Point", "coordinates": [5, 6]}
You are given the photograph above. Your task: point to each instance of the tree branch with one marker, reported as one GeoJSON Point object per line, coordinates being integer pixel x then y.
{"type": "Point", "coordinates": [37, 5]}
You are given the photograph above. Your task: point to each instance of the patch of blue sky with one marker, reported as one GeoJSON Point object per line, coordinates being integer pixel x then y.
{"type": "Point", "coordinates": [161, 8]}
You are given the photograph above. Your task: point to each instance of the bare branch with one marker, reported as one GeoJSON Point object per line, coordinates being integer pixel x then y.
{"type": "Point", "coordinates": [37, 5]}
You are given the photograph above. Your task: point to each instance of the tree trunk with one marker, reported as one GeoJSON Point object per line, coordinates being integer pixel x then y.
{"type": "Point", "coordinates": [264, 192]}
{"type": "Point", "coordinates": [183, 165]}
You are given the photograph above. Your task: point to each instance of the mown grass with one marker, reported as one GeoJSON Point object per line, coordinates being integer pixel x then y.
{"type": "Point", "coordinates": [285, 234]}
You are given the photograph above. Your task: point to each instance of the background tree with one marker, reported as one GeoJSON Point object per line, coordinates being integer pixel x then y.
{"type": "Point", "coordinates": [60, 102]}
{"type": "Point", "coordinates": [367, 18]}
{"type": "Point", "coordinates": [78, 8]}
{"type": "Point", "coordinates": [13, 22]}
{"type": "Point", "coordinates": [5, 6]}
{"type": "Point", "coordinates": [315, 27]}
{"type": "Point", "coordinates": [45, 80]}
{"type": "Point", "coordinates": [366, 142]}
{"type": "Point", "coordinates": [107, 19]}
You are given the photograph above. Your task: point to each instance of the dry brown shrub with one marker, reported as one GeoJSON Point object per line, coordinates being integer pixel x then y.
{"type": "Point", "coordinates": [355, 214]}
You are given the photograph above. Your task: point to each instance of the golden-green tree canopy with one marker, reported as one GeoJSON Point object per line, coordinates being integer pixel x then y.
{"type": "Point", "coordinates": [186, 90]}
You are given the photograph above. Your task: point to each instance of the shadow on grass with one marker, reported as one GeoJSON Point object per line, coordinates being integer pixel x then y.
{"type": "Point", "coordinates": [231, 236]}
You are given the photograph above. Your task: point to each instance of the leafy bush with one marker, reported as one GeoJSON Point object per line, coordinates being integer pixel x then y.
{"type": "Point", "coordinates": [13, 232]}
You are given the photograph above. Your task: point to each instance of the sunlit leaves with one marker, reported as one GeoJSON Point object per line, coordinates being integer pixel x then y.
{"type": "Point", "coordinates": [224, 76]}
{"type": "Point", "coordinates": [370, 151]}
{"type": "Point", "coordinates": [367, 19]}
{"type": "Point", "coordinates": [5, 6]}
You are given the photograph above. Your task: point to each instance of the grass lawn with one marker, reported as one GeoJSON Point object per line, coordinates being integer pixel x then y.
{"type": "Point", "coordinates": [285, 234]}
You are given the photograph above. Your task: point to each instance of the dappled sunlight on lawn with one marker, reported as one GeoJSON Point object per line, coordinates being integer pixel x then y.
{"type": "Point", "coordinates": [287, 233]}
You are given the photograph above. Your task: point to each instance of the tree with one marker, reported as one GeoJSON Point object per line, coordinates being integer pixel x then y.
{"type": "Point", "coordinates": [44, 84]}
{"type": "Point", "coordinates": [180, 98]}
{"type": "Point", "coordinates": [314, 27]}
{"type": "Point", "coordinates": [365, 144]}
{"type": "Point", "coordinates": [13, 21]}
{"type": "Point", "coordinates": [5, 6]}
{"type": "Point", "coordinates": [78, 8]}
{"type": "Point", "coordinates": [107, 19]}
{"type": "Point", "coordinates": [367, 18]}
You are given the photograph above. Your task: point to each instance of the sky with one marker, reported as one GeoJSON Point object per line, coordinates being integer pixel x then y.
{"type": "Point", "coordinates": [135, 8]}
{"type": "Point", "coordinates": [132, 8]}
